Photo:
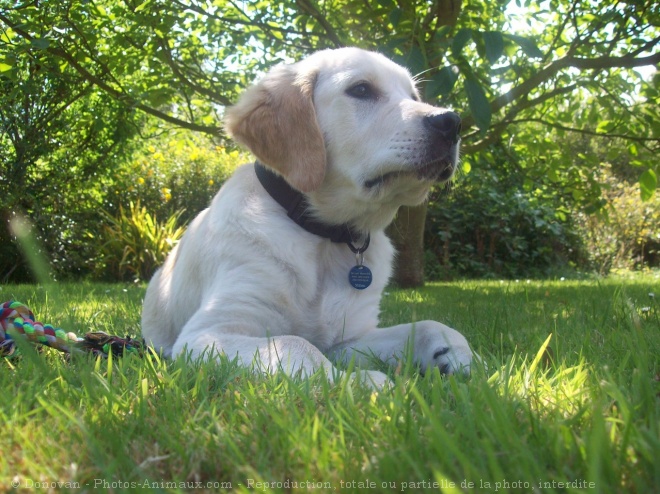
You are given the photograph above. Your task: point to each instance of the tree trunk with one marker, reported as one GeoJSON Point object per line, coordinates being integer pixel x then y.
{"type": "Point", "coordinates": [407, 234]}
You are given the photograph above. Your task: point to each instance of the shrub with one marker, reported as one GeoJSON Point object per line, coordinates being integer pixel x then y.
{"type": "Point", "coordinates": [499, 233]}
{"type": "Point", "coordinates": [176, 172]}
{"type": "Point", "coordinates": [490, 223]}
{"type": "Point", "coordinates": [625, 235]}
{"type": "Point", "coordinates": [135, 243]}
{"type": "Point", "coordinates": [172, 177]}
{"type": "Point", "coordinates": [58, 138]}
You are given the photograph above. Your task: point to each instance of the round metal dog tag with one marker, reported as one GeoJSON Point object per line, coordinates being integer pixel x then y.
{"type": "Point", "coordinates": [360, 277]}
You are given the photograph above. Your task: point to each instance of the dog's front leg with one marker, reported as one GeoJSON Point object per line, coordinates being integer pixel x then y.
{"type": "Point", "coordinates": [433, 345]}
{"type": "Point", "coordinates": [285, 353]}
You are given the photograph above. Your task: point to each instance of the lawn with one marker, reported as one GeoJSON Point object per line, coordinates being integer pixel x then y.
{"type": "Point", "coordinates": [581, 414]}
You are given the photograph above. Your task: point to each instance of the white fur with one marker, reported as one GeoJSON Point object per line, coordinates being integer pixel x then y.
{"type": "Point", "coordinates": [248, 282]}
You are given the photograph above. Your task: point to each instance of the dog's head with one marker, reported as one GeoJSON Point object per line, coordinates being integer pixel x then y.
{"type": "Point", "coordinates": [347, 128]}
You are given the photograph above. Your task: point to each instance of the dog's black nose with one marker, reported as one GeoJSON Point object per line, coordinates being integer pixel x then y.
{"type": "Point", "coordinates": [447, 124]}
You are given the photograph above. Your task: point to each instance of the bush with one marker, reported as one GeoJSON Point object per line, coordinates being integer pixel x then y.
{"type": "Point", "coordinates": [496, 221]}
{"type": "Point", "coordinates": [178, 172]}
{"type": "Point", "coordinates": [488, 224]}
{"type": "Point", "coordinates": [495, 233]}
{"type": "Point", "coordinates": [162, 187]}
{"type": "Point", "coordinates": [625, 235]}
{"type": "Point", "coordinates": [58, 139]}
{"type": "Point", "coordinates": [81, 219]}
{"type": "Point", "coordinates": [135, 243]}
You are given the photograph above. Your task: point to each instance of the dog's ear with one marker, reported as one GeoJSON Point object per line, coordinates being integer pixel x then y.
{"type": "Point", "coordinates": [276, 120]}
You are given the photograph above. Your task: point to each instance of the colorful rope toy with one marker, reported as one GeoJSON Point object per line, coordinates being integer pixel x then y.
{"type": "Point", "coordinates": [17, 316]}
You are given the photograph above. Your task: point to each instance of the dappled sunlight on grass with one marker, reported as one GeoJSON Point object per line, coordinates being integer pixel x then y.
{"type": "Point", "coordinates": [549, 389]}
{"type": "Point", "coordinates": [411, 297]}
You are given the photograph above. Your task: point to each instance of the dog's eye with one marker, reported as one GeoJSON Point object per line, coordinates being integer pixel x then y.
{"type": "Point", "coordinates": [362, 90]}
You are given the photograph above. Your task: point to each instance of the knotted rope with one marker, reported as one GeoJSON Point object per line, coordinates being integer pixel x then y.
{"type": "Point", "coordinates": [17, 316]}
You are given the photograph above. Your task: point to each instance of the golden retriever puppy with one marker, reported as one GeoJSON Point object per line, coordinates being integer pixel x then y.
{"type": "Point", "coordinates": [287, 265]}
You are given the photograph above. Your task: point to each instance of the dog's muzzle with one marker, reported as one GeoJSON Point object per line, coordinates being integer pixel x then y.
{"type": "Point", "coordinates": [438, 160]}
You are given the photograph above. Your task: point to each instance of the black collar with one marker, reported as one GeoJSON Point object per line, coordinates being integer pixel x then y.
{"type": "Point", "coordinates": [297, 208]}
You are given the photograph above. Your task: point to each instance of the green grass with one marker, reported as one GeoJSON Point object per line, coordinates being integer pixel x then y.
{"type": "Point", "coordinates": [582, 415]}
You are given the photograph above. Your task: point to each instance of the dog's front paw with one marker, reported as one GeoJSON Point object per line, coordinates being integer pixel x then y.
{"type": "Point", "coordinates": [371, 378]}
{"type": "Point", "coordinates": [440, 346]}
{"type": "Point", "coordinates": [453, 359]}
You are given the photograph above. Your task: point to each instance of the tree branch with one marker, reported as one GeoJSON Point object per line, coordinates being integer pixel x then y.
{"type": "Point", "coordinates": [498, 128]}
{"type": "Point", "coordinates": [625, 62]}
{"type": "Point", "coordinates": [237, 22]}
{"type": "Point", "coordinates": [126, 99]}
{"type": "Point", "coordinates": [588, 132]}
{"type": "Point", "coordinates": [114, 92]}
{"type": "Point", "coordinates": [306, 7]}
{"type": "Point", "coordinates": [546, 73]}
{"type": "Point", "coordinates": [176, 70]}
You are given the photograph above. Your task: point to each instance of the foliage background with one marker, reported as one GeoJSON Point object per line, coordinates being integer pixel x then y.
{"type": "Point", "coordinates": [561, 132]}
{"type": "Point", "coordinates": [152, 198]}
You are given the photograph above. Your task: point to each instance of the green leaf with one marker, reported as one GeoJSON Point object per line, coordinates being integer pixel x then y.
{"type": "Point", "coordinates": [395, 16]}
{"type": "Point", "coordinates": [460, 40]}
{"type": "Point", "coordinates": [7, 35]}
{"type": "Point", "coordinates": [414, 60]}
{"type": "Point", "coordinates": [40, 43]}
{"type": "Point", "coordinates": [494, 42]}
{"type": "Point", "coordinates": [142, 6]}
{"type": "Point", "coordinates": [441, 84]}
{"type": "Point", "coordinates": [605, 126]}
{"type": "Point", "coordinates": [648, 182]}
{"type": "Point", "coordinates": [527, 45]}
{"type": "Point", "coordinates": [443, 32]}
{"type": "Point", "coordinates": [4, 67]}
{"type": "Point", "coordinates": [478, 102]}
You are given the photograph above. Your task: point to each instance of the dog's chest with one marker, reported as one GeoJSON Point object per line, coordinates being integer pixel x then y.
{"type": "Point", "coordinates": [330, 309]}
